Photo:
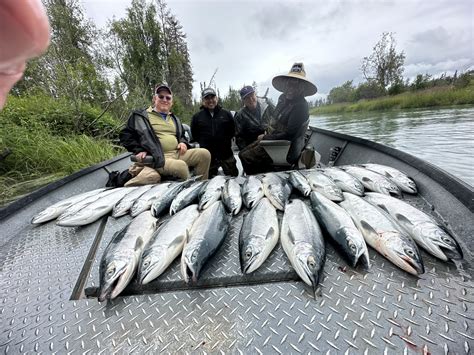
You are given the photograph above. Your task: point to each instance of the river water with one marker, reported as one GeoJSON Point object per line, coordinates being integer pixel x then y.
{"type": "Point", "coordinates": [444, 137]}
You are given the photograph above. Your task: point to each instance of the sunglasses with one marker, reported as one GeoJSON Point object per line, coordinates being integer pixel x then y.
{"type": "Point", "coordinates": [165, 97]}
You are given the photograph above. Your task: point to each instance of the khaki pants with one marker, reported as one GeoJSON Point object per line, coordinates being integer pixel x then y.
{"type": "Point", "coordinates": [175, 165]}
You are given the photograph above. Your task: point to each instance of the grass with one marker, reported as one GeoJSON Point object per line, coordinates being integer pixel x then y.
{"type": "Point", "coordinates": [437, 97]}
{"type": "Point", "coordinates": [38, 157]}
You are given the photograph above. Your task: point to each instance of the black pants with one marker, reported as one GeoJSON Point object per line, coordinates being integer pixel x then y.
{"type": "Point", "coordinates": [229, 166]}
{"type": "Point", "coordinates": [255, 159]}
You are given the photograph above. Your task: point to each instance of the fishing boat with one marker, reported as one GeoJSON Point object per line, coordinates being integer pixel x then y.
{"type": "Point", "coordinates": [49, 277]}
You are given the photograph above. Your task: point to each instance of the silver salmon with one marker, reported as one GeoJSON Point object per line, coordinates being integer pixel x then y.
{"type": "Point", "coordinates": [426, 232]}
{"type": "Point", "coordinates": [206, 236]}
{"type": "Point", "coordinates": [303, 242]}
{"type": "Point", "coordinates": [166, 244]}
{"type": "Point", "coordinates": [383, 235]}
{"type": "Point", "coordinates": [258, 236]}
{"type": "Point", "coordinates": [120, 259]}
{"type": "Point", "coordinates": [339, 225]}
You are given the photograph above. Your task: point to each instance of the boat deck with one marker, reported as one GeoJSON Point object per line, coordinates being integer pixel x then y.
{"type": "Point", "coordinates": [48, 271]}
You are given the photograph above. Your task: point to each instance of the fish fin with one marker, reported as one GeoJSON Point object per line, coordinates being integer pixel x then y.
{"type": "Point", "coordinates": [383, 207]}
{"type": "Point", "coordinates": [402, 219]}
{"type": "Point", "coordinates": [367, 227]}
{"type": "Point", "coordinates": [270, 233]}
{"type": "Point", "coordinates": [366, 179]}
{"type": "Point", "coordinates": [291, 237]}
{"type": "Point", "coordinates": [138, 243]}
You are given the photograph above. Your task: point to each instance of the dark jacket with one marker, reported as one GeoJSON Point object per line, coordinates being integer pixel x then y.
{"type": "Point", "coordinates": [290, 122]}
{"type": "Point", "coordinates": [214, 132]}
{"type": "Point", "coordinates": [138, 136]}
{"type": "Point", "coordinates": [250, 124]}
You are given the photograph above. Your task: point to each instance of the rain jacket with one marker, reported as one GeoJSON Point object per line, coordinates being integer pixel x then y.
{"type": "Point", "coordinates": [138, 136]}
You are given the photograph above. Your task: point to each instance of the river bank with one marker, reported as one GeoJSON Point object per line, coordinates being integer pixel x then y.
{"type": "Point", "coordinates": [435, 97]}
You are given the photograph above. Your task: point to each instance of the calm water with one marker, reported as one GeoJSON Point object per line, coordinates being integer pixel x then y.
{"type": "Point", "coordinates": [444, 137]}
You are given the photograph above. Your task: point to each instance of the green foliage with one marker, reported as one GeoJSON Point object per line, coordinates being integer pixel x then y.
{"type": "Point", "coordinates": [70, 68]}
{"type": "Point", "coordinates": [384, 65]}
{"type": "Point", "coordinates": [39, 157]}
{"type": "Point", "coordinates": [344, 93]}
{"type": "Point", "coordinates": [231, 101]}
{"type": "Point", "coordinates": [369, 90]}
{"type": "Point", "coordinates": [136, 46]}
{"type": "Point", "coordinates": [58, 116]}
{"type": "Point", "coordinates": [444, 96]}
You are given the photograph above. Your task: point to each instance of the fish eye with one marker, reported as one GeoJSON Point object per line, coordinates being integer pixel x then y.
{"type": "Point", "coordinates": [410, 252]}
{"type": "Point", "coordinates": [194, 256]}
{"type": "Point", "coordinates": [146, 262]}
{"type": "Point", "coordinates": [446, 240]}
{"type": "Point", "coordinates": [311, 262]}
{"type": "Point", "coordinates": [248, 253]}
{"type": "Point", "coordinates": [110, 271]}
{"type": "Point", "coordinates": [352, 246]}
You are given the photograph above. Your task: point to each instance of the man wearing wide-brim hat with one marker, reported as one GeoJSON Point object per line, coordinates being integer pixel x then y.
{"type": "Point", "coordinates": [290, 121]}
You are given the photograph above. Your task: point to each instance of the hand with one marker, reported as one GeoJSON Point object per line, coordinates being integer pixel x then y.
{"type": "Point", "coordinates": [182, 148]}
{"type": "Point", "coordinates": [141, 156]}
{"type": "Point", "coordinates": [259, 138]}
{"type": "Point", "coordinates": [24, 34]}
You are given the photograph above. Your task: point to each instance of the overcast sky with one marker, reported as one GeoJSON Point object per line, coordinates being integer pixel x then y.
{"type": "Point", "coordinates": [255, 40]}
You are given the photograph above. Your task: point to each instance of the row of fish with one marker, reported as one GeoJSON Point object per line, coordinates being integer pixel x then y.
{"type": "Point", "coordinates": [340, 206]}
{"type": "Point", "coordinates": [350, 225]}
{"type": "Point", "coordinates": [88, 207]}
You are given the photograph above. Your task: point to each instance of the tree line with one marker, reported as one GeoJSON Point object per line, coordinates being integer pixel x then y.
{"type": "Point", "coordinates": [383, 74]}
{"type": "Point", "coordinates": [114, 68]}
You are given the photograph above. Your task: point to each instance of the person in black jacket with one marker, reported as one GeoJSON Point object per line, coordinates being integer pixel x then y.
{"type": "Point", "coordinates": [213, 128]}
{"type": "Point", "coordinates": [158, 133]}
{"type": "Point", "coordinates": [290, 121]}
{"type": "Point", "coordinates": [252, 120]}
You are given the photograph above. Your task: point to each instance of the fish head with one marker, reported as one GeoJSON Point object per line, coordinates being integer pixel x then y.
{"type": "Point", "coordinates": [403, 252]}
{"type": "Point", "coordinates": [115, 277]}
{"type": "Point", "coordinates": [389, 188]}
{"type": "Point", "coordinates": [410, 185]}
{"type": "Point", "coordinates": [439, 243]}
{"type": "Point", "coordinates": [44, 215]}
{"type": "Point", "coordinates": [355, 249]}
{"type": "Point", "coordinates": [307, 264]}
{"type": "Point", "coordinates": [138, 207]}
{"type": "Point", "coordinates": [152, 264]}
{"type": "Point", "coordinates": [120, 209]}
{"type": "Point", "coordinates": [251, 254]}
{"type": "Point", "coordinates": [191, 264]}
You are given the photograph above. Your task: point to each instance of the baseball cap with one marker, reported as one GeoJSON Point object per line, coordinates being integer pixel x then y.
{"type": "Point", "coordinates": [245, 91]}
{"type": "Point", "coordinates": [160, 87]}
{"type": "Point", "coordinates": [208, 92]}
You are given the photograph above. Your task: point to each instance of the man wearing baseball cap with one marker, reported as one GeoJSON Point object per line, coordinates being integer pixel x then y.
{"type": "Point", "coordinates": [156, 132]}
{"type": "Point", "coordinates": [251, 121]}
{"type": "Point", "coordinates": [289, 122]}
{"type": "Point", "coordinates": [213, 128]}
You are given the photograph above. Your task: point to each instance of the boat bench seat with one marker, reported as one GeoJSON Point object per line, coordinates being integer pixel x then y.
{"type": "Point", "coordinates": [277, 150]}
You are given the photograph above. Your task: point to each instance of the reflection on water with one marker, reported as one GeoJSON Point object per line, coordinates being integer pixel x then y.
{"type": "Point", "coordinates": [444, 137]}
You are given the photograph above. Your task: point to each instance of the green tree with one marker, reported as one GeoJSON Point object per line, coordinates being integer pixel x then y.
{"type": "Point", "coordinates": [370, 89]}
{"type": "Point", "coordinates": [343, 93]}
{"type": "Point", "coordinates": [177, 68]}
{"type": "Point", "coordinates": [136, 52]}
{"type": "Point", "coordinates": [384, 65]}
{"type": "Point", "coordinates": [70, 68]}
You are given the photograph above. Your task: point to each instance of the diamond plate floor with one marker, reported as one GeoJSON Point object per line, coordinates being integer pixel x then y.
{"type": "Point", "coordinates": [383, 310]}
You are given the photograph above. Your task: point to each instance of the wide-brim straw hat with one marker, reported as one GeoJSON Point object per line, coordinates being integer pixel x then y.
{"type": "Point", "coordinates": [296, 72]}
